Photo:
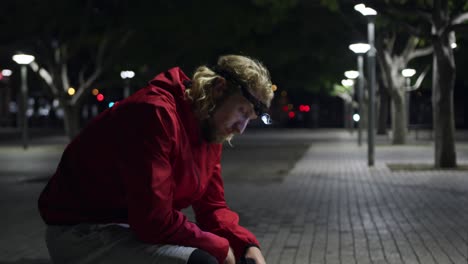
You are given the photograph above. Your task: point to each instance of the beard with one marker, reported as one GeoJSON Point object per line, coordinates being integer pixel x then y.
{"type": "Point", "coordinates": [211, 134]}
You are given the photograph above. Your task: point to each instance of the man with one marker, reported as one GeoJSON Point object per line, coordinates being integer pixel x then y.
{"type": "Point", "coordinates": [117, 193]}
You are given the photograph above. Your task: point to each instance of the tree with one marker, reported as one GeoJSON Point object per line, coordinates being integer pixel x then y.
{"type": "Point", "coordinates": [437, 21]}
{"type": "Point", "coordinates": [73, 44]}
{"type": "Point", "coordinates": [391, 65]}
{"type": "Point", "coordinates": [444, 21]}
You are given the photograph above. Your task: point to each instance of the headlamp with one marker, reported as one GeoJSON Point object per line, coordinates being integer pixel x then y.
{"type": "Point", "coordinates": [259, 107]}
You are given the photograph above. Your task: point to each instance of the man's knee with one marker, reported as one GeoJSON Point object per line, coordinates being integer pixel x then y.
{"type": "Point", "coordinates": [199, 256]}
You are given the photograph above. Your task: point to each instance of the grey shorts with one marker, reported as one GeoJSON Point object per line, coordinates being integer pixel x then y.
{"type": "Point", "coordinates": [108, 243]}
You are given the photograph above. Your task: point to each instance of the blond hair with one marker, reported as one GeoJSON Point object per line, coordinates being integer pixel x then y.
{"type": "Point", "coordinates": [246, 70]}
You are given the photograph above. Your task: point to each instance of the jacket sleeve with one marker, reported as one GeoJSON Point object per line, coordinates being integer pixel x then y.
{"type": "Point", "coordinates": [213, 215]}
{"type": "Point", "coordinates": [149, 185]}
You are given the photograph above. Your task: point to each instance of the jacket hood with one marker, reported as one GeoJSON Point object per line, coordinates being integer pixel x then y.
{"type": "Point", "coordinates": [172, 80]}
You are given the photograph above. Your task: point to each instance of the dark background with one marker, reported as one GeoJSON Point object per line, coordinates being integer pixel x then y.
{"type": "Point", "coordinates": [304, 44]}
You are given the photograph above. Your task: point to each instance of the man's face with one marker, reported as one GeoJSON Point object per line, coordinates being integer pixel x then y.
{"type": "Point", "coordinates": [230, 117]}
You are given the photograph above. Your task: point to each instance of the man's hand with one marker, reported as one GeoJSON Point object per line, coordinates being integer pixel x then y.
{"type": "Point", "coordinates": [255, 254]}
{"type": "Point", "coordinates": [230, 259]}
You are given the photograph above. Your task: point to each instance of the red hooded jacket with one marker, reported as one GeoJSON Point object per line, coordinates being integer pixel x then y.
{"type": "Point", "coordinates": [141, 162]}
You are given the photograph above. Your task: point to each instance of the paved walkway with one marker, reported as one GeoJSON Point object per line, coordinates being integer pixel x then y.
{"type": "Point", "coordinates": [330, 208]}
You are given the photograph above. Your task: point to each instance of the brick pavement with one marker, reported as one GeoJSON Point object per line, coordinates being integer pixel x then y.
{"type": "Point", "coordinates": [332, 208]}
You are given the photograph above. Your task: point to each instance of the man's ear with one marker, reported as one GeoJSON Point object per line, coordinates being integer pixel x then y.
{"type": "Point", "coordinates": [219, 87]}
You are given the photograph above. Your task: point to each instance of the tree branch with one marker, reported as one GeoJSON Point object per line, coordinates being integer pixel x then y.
{"type": "Point", "coordinates": [420, 79]}
{"type": "Point", "coordinates": [97, 72]}
{"type": "Point", "coordinates": [411, 44]}
{"type": "Point", "coordinates": [420, 53]}
{"type": "Point", "coordinates": [459, 19]}
{"type": "Point", "coordinates": [45, 75]}
{"type": "Point", "coordinates": [390, 42]}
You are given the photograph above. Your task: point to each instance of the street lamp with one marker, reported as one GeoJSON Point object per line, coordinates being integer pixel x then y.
{"type": "Point", "coordinates": [347, 82]}
{"type": "Point", "coordinates": [348, 104]}
{"type": "Point", "coordinates": [126, 76]}
{"type": "Point", "coordinates": [351, 74]}
{"type": "Point", "coordinates": [408, 73]}
{"type": "Point", "coordinates": [360, 49]}
{"type": "Point", "coordinates": [370, 14]}
{"type": "Point", "coordinates": [24, 60]}
{"type": "Point", "coordinates": [6, 72]}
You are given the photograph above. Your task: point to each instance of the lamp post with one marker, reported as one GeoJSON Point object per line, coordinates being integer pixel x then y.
{"type": "Point", "coordinates": [126, 76]}
{"type": "Point", "coordinates": [360, 49]}
{"type": "Point", "coordinates": [370, 14]}
{"type": "Point", "coordinates": [5, 95]}
{"type": "Point", "coordinates": [348, 103]}
{"type": "Point", "coordinates": [24, 60]}
{"type": "Point", "coordinates": [351, 75]}
{"type": "Point", "coordinates": [408, 73]}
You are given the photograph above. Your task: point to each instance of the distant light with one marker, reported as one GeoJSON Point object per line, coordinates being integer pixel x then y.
{"type": "Point", "coordinates": [274, 88]}
{"type": "Point", "coordinates": [12, 107]}
{"type": "Point", "coordinates": [356, 117]}
{"type": "Point", "coordinates": [360, 7]}
{"type": "Point", "coordinates": [23, 58]}
{"type": "Point", "coordinates": [351, 74]}
{"type": "Point", "coordinates": [55, 103]}
{"type": "Point", "coordinates": [285, 108]}
{"type": "Point", "coordinates": [95, 91]}
{"type": "Point", "coordinates": [127, 74]}
{"type": "Point", "coordinates": [6, 72]}
{"type": "Point", "coordinates": [100, 97]}
{"type": "Point", "coordinates": [347, 82]}
{"type": "Point", "coordinates": [369, 12]}
{"type": "Point", "coordinates": [408, 72]}
{"type": "Point", "coordinates": [284, 93]}
{"type": "Point", "coordinates": [359, 48]}
{"type": "Point", "coordinates": [290, 106]}
{"type": "Point", "coordinates": [71, 91]}
{"type": "Point", "coordinates": [291, 114]}
{"type": "Point", "coordinates": [453, 45]}
{"type": "Point", "coordinates": [44, 111]}
{"type": "Point", "coordinates": [30, 112]}
{"type": "Point", "coordinates": [111, 104]}
{"type": "Point", "coordinates": [304, 108]}
{"type": "Point", "coordinates": [366, 11]}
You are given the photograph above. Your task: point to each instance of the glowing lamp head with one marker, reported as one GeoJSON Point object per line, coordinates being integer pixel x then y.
{"type": "Point", "coordinates": [351, 74]}
{"type": "Point", "coordinates": [23, 59]}
{"type": "Point", "coordinates": [364, 10]}
{"type": "Point", "coordinates": [356, 117]}
{"type": "Point", "coordinates": [347, 82]}
{"type": "Point", "coordinates": [408, 72]}
{"type": "Point", "coordinates": [359, 48]}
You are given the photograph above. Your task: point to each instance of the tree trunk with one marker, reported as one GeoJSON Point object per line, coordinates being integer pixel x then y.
{"type": "Point", "coordinates": [72, 120]}
{"type": "Point", "coordinates": [399, 128]}
{"type": "Point", "coordinates": [383, 111]}
{"type": "Point", "coordinates": [442, 105]}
